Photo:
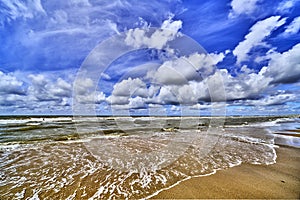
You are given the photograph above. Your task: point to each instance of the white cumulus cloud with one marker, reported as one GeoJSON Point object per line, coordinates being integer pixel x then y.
{"type": "Point", "coordinates": [130, 87]}
{"type": "Point", "coordinates": [239, 7]}
{"type": "Point", "coordinates": [186, 68]}
{"type": "Point", "coordinates": [284, 67]}
{"type": "Point", "coordinates": [9, 84]}
{"type": "Point", "coordinates": [138, 37]}
{"type": "Point", "coordinates": [42, 88]}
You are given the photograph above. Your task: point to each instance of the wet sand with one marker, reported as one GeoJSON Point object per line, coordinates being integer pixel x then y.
{"type": "Point", "coordinates": [277, 181]}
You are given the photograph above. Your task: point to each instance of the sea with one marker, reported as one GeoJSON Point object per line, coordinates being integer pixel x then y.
{"type": "Point", "coordinates": [113, 157]}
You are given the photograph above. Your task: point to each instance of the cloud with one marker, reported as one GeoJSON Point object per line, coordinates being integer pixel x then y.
{"type": "Point", "coordinates": [284, 67]}
{"type": "Point", "coordinates": [286, 6]}
{"type": "Point", "coordinates": [200, 106]}
{"type": "Point", "coordinates": [64, 32]}
{"type": "Point", "coordinates": [177, 82]}
{"type": "Point", "coordinates": [85, 92]}
{"type": "Point", "coordinates": [60, 17]}
{"type": "Point", "coordinates": [139, 38]}
{"type": "Point", "coordinates": [118, 100]}
{"type": "Point", "coordinates": [47, 35]}
{"type": "Point", "coordinates": [10, 85]}
{"type": "Point", "coordinates": [163, 88]}
{"type": "Point", "coordinates": [204, 64]}
{"type": "Point", "coordinates": [44, 89]}
{"type": "Point", "coordinates": [130, 87]}
{"type": "Point", "coordinates": [168, 75]}
{"type": "Point", "coordinates": [242, 86]}
{"type": "Point", "coordinates": [128, 92]}
{"type": "Point", "coordinates": [105, 76]}
{"type": "Point", "coordinates": [172, 25]}
{"type": "Point", "coordinates": [37, 90]}
{"type": "Point", "coordinates": [186, 94]}
{"type": "Point", "coordinates": [247, 88]}
{"type": "Point", "coordinates": [83, 86]}
{"type": "Point", "coordinates": [20, 9]}
{"type": "Point", "coordinates": [180, 71]}
{"type": "Point", "coordinates": [165, 96]}
{"type": "Point", "coordinates": [277, 99]}
{"type": "Point", "coordinates": [60, 89]}
{"type": "Point", "coordinates": [113, 26]}
{"type": "Point", "coordinates": [258, 32]}
{"type": "Point", "coordinates": [239, 7]}
{"type": "Point", "coordinates": [184, 80]}
{"type": "Point", "coordinates": [217, 57]}
{"type": "Point", "coordinates": [95, 97]}
{"type": "Point", "coordinates": [293, 27]}
{"type": "Point", "coordinates": [34, 92]}
{"type": "Point", "coordinates": [175, 108]}
{"type": "Point", "coordinates": [11, 100]}
{"type": "Point", "coordinates": [136, 103]}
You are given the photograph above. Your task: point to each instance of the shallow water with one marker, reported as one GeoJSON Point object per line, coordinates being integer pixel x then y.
{"type": "Point", "coordinates": [125, 157]}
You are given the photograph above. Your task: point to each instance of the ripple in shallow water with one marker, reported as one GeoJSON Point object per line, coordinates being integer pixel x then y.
{"type": "Point", "coordinates": [68, 170]}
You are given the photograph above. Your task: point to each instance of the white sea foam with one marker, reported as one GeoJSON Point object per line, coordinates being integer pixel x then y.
{"type": "Point", "coordinates": [20, 195]}
{"type": "Point", "coordinates": [50, 119]}
{"type": "Point", "coordinates": [71, 161]}
{"type": "Point", "coordinates": [13, 121]}
{"type": "Point", "coordinates": [287, 140]}
{"type": "Point", "coordinates": [35, 195]}
{"type": "Point", "coordinates": [149, 166]}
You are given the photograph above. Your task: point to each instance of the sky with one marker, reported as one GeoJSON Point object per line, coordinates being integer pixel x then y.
{"type": "Point", "coordinates": [164, 57]}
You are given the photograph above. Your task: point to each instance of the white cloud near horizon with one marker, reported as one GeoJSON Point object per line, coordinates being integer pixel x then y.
{"type": "Point", "coordinates": [44, 89]}
{"type": "Point", "coordinates": [246, 88]}
{"type": "Point", "coordinates": [9, 84]}
{"type": "Point", "coordinates": [277, 99]}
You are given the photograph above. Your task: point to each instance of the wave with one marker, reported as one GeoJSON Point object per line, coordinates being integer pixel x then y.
{"type": "Point", "coordinates": [116, 158]}
{"type": "Point", "coordinates": [55, 168]}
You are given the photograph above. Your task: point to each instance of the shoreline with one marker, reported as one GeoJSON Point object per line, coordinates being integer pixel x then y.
{"type": "Point", "coordinates": [279, 180]}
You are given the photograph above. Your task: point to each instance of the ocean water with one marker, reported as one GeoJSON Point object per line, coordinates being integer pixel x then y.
{"type": "Point", "coordinates": [129, 157]}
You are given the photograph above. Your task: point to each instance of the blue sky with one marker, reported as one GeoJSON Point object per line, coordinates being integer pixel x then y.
{"type": "Point", "coordinates": [247, 53]}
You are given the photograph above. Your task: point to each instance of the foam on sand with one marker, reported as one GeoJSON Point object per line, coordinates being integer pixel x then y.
{"type": "Point", "coordinates": [142, 162]}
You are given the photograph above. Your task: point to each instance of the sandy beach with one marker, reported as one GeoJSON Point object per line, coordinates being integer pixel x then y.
{"type": "Point", "coordinates": [277, 181]}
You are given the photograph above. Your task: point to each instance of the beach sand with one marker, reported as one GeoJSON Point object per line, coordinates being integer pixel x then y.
{"type": "Point", "coordinates": [277, 181]}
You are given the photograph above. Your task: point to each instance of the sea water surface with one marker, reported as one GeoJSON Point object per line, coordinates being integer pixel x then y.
{"type": "Point", "coordinates": [129, 157]}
